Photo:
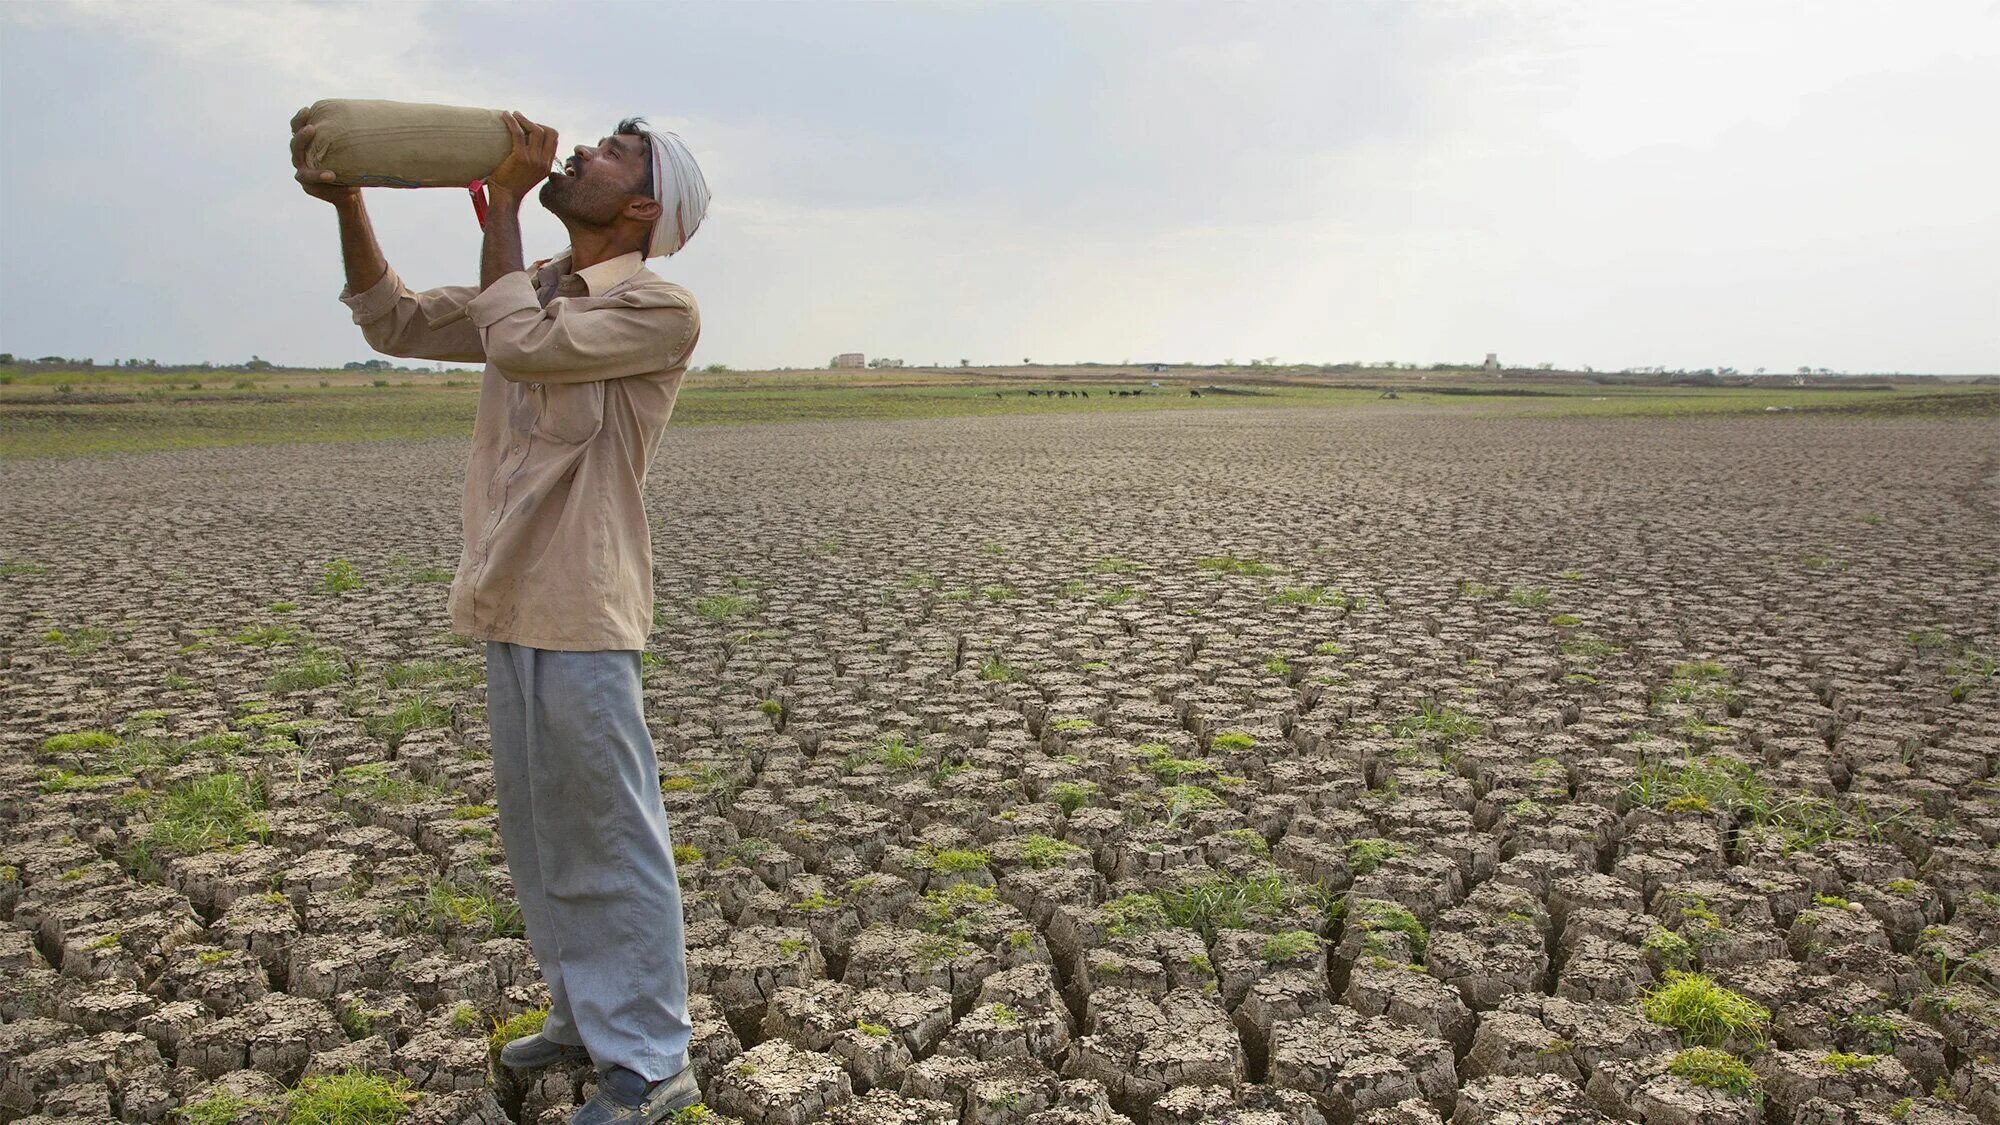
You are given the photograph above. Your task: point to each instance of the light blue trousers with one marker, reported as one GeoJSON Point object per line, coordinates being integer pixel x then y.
{"type": "Point", "coordinates": [587, 845]}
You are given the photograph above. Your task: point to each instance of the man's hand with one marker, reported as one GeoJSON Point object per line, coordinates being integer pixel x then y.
{"type": "Point", "coordinates": [528, 164]}
{"type": "Point", "coordinates": [316, 182]}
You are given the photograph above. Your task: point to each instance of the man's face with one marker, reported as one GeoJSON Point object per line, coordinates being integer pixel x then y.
{"type": "Point", "coordinates": [597, 181]}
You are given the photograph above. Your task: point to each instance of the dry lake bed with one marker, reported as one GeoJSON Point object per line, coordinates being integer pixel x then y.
{"type": "Point", "coordinates": [1266, 766]}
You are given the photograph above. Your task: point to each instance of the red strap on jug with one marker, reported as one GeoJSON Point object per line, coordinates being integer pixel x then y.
{"type": "Point", "coordinates": [478, 190]}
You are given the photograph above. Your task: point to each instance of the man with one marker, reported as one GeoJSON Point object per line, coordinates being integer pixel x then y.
{"type": "Point", "coordinates": [584, 355]}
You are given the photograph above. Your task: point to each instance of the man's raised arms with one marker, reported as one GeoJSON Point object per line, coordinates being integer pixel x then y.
{"type": "Point", "coordinates": [393, 319]}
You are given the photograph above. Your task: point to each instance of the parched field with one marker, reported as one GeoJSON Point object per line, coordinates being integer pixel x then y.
{"type": "Point", "coordinates": [1387, 764]}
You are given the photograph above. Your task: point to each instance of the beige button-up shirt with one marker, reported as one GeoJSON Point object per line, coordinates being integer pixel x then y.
{"type": "Point", "coordinates": [581, 373]}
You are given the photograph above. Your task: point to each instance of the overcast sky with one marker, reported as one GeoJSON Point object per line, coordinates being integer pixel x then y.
{"type": "Point", "coordinates": [1614, 184]}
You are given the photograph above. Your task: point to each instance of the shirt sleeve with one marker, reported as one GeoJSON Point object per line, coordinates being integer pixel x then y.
{"type": "Point", "coordinates": [429, 325]}
{"type": "Point", "coordinates": [644, 329]}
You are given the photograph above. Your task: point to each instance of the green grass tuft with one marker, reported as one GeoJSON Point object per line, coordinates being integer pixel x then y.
{"type": "Point", "coordinates": [1039, 851]}
{"type": "Point", "coordinates": [338, 577]}
{"type": "Point", "coordinates": [898, 753]}
{"type": "Point", "coordinates": [514, 1027]}
{"type": "Point", "coordinates": [421, 673]}
{"type": "Point", "coordinates": [1310, 595]}
{"type": "Point", "coordinates": [1228, 902]}
{"type": "Point", "coordinates": [1369, 853]}
{"type": "Point", "coordinates": [1845, 1062]}
{"type": "Point", "coordinates": [309, 670]}
{"type": "Point", "coordinates": [1182, 801]}
{"type": "Point", "coordinates": [349, 1098]}
{"type": "Point", "coordinates": [222, 1108]}
{"type": "Point", "coordinates": [1705, 1013]}
{"type": "Point", "coordinates": [418, 712]}
{"type": "Point", "coordinates": [377, 783]}
{"type": "Point", "coordinates": [268, 636]}
{"type": "Point", "coordinates": [1163, 765]}
{"type": "Point", "coordinates": [79, 742]}
{"type": "Point", "coordinates": [723, 607]}
{"type": "Point", "coordinates": [1231, 564]}
{"type": "Point", "coordinates": [211, 812]}
{"type": "Point", "coordinates": [1969, 673]}
{"type": "Point", "coordinates": [446, 909]}
{"type": "Point", "coordinates": [64, 781]}
{"type": "Point", "coordinates": [1290, 945]}
{"type": "Point", "coordinates": [1134, 914]}
{"type": "Point", "coordinates": [951, 861]}
{"type": "Point", "coordinates": [1374, 915]}
{"type": "Point", "coordinates": [1452, 725]}
{"type": "Point", "coordinates": [1072, 795]}
{"type": "Point", "coordinates": [79, 642]}
{"type": "Point", "coordinates": [1717, 1070]}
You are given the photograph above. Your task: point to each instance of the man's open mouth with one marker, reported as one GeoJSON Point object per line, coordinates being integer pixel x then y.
{"type": "Point", "coordinates": [571, 166]}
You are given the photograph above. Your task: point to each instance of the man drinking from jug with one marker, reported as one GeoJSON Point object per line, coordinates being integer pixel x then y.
{"type": "Point", "coordinates": [584, 355]}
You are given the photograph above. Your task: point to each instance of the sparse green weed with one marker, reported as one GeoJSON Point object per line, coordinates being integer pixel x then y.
{"type": "Point", "coordinates": [338, 577]}
{"type": "Point", "coordinates": [350, 1098]}
{"type": "Point", "coordinates": [1717, 1070]}
{"type": "Point", "coordinates": [1289, 945]}
{"type": "Point", "coordinates": [1704, 1012]}
{"type": "Point", "coordinates": [1231, 564]}
{"type": "Point", "coordinates": [1039, 851]}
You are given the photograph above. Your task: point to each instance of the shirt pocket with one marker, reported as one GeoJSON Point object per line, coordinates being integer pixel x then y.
{"type": "Point", "coordinates": [568, 412]}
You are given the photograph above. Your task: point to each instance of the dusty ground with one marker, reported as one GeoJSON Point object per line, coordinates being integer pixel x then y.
{"type": "Point", "coordinates": [1262, 766]}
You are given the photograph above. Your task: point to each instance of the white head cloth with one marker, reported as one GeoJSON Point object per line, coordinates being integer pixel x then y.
{"type": "Point", "coordinates": [680, 188]}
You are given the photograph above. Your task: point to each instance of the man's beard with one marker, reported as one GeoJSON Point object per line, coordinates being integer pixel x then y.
{"type": "Point", "coordinates": [568, 200]}
{"type": "Point", "coordinates": [551, 195]}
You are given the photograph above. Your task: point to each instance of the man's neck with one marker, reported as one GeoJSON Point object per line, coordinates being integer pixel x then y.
{"type": "Point", "coordinates": [589, 246]}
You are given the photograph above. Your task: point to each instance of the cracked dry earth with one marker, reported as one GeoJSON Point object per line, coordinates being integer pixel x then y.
{"type": "Point", "coordinates": [1273, 767]}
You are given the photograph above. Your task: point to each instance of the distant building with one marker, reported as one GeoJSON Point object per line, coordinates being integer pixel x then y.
{"type": "Point", "coordinates": [850, 359]}
{"type": "Point", "coordinates": [1492, 361]}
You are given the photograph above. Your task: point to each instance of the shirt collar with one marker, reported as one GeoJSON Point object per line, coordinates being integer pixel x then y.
{"type": "Point", "coordinates": [604, 276]}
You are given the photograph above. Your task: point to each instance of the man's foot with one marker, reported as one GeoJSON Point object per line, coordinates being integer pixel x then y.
{"type": "Point", "coordinates": [532, 1051]}
{"type": "Point", "coordinates": [624, 1098]}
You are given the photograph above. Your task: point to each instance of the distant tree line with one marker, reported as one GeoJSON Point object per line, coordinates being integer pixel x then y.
{"type": "Point", "coordinates": [255, 363]}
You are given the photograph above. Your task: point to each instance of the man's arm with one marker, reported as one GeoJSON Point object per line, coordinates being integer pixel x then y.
{"type": "Point", "coordinates": [394, 320]}
{"type": "Point", "coordinates": [526, 165]}
{"type": "Point", "coordinates": [641, 330]}
{"type": "Point", "coordinates": [359, 251]}
{"type": "Point", "coordinates": [500, 251]}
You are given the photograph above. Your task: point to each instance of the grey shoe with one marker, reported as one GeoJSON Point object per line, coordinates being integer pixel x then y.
{"type": "Point", "coordinates": [532, 1051]}
{"type": "Point", "coordinates": [624, 1098]}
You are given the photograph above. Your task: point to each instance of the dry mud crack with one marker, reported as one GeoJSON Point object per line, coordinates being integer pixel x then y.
{"type": "Point", "coordinates": [1279, 766]}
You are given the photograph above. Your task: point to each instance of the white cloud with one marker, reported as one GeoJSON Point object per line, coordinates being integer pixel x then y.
{"type": "Point", "coordinates": [1686, 73]}
{"type": "Point", "coordinates": [1613, 184]}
